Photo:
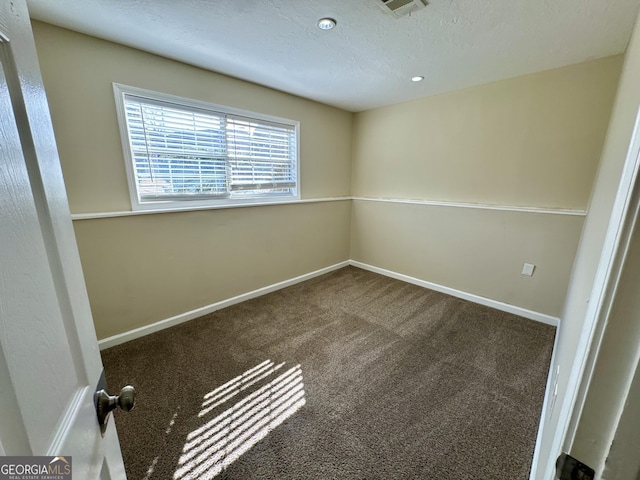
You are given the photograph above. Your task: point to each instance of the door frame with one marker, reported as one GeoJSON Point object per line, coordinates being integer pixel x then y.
{"type": "Point", "coordinates": [603, 293]}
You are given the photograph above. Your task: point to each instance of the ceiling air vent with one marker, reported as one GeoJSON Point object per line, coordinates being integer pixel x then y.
{"type": "Point", "coordinates": [400, 8]}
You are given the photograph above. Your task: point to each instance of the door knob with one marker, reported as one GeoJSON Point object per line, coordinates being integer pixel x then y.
{"type": "Point", "coordinates": [106, 403]}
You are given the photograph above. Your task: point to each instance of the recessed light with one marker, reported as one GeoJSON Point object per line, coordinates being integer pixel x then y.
{"type": "Point", "coordinates": [417, 78]}
{"type": "Point", "coordinates": [326, 23]}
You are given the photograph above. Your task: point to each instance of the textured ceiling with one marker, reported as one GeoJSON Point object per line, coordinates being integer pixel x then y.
{"type": "Point", "coordinates": [368, 59]}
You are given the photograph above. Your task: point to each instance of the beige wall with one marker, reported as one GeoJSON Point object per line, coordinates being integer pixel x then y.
{"type": "Point", "coordinates": [529, 141]}
{"type": "Point", "coordinates": [142, 269]}
{"type": "Point", "coordinates": [532, 141]}
{"type": "Point", "coordinates": [475, 251]}
{"type": "Point", "coordinates": [78, 73]}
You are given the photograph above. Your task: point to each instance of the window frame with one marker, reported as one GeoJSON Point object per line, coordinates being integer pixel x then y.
{"type": "Point", "coordinates": [172, 204]}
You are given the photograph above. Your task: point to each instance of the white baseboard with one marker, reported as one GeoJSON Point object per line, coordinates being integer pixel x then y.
{"type": "Point", "coordinates": [198, 312]}
{"type": "Point", "coordinates": [488, 302]}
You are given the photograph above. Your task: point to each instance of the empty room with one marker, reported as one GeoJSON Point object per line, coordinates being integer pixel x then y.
{"type": "Point", "coordinates": [289, 239]}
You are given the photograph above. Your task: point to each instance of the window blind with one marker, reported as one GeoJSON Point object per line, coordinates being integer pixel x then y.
{"type": "Point", "coordinates": [260, 155]}
{"type": "Point", "coordinates": [180, 152]}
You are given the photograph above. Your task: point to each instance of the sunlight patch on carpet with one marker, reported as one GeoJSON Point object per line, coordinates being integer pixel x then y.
{"type": "Point", "coordinates": [214, 446]}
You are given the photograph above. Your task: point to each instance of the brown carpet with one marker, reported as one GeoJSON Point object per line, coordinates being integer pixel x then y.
{"type": "Point", "coordinates": [350, 375]}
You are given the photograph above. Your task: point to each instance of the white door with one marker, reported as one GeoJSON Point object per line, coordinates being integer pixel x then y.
{"type": "Point", "coordinates": [49, 358]}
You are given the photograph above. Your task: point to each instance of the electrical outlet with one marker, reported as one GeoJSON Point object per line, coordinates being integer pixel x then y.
{"type": "Point", "coordinates": [527, 269]}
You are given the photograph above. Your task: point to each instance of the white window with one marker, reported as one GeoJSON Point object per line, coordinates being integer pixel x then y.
{"type": "Point", "coordinates": [182, 152]}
